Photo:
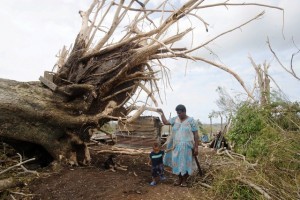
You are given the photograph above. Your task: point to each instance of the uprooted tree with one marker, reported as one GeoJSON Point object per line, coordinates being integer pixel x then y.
{"type": "Point", "coordinates": [95, 79]}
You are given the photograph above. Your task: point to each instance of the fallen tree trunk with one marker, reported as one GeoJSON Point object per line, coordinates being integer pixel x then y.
{"type": "Point", "coordinates": [33, 122]}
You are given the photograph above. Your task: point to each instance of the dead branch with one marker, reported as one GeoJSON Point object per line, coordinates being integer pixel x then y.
{"type": "Point", "coordinates": [292, 57]}
{"type": "Point", "coordinates": [24, 168]}
{"type": "Point", "coordinates": [62, 56]}
{"type": "Point", "coordinates": [22, 194]}
{"type": "Point", "coordinates": [228, 154]}
{"type": "Point", "coordinates": [240, 156]}
{"type": "Point", "coordinates": [144, 108]}
{"type": "Point", "coordinates": [263, 80]}
{"type": "Point", "coordinates": [136, 114]}
{"type": "Point", "coordinates": [224, 151]}
{"type": "Point", "coordinates": [226, 32]}
{"type": "Point", "coordinates": [280, 63]}
{"type": "Point", "coordinates": [149, 94]}
{"type": "Point", "coordinates": [236, 76]}
{"type": "Point", "coordinates": [256, 187]}
{"type": "Point", "coordinates": [205, 185]}
{"type": "Point", "coordinates": [17, 165]}
{"type": "Point", "coordinates": [152, 38]}
{"type": "Point", "coordinates": [123, 151]}
{"type": "Point", "coordinates": [240, 4]}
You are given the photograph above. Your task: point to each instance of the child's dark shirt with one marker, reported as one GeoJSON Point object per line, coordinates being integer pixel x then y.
{"type": "Point", "coordinates": [157, 158]}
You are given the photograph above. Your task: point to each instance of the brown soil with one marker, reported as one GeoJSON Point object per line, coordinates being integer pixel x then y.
{"type": "Point", "coordinates": [94, 182]}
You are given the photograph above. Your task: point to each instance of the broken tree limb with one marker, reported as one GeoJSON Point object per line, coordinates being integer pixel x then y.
{"type": "Point", "coordinates": [292, 72]}
{"type": "Point", "coordinates": [256, 187]}
{"type": "Point", "coordinates": [22, 194]}
{"type": "Point", "coordinates": [136, 114]}
{"type": "Point", "coordinates": [205, 185]}
{"type": "Point", "coordinates": [16, 165]}
{"type": "Point", "coordinates": [125, 152]}
{"type": "Point", "coordinates": [24, 168]}
{"type": "Point", "coordinates": [144, 108]}
{"type": "Point", "coordinates": [228, 154]}
{"type": "Point", "coordinates": [119, 150]}
{"type": "Point", "coordinates": [150, 94]}
{"type": "Point", "coordinates": [240, 156]}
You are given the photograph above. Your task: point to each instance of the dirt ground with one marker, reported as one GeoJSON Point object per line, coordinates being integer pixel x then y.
{"type": "Point", "coordinates": [94, 182]}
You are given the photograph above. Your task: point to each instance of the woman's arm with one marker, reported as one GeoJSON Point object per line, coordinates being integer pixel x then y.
{"type": "Point", "coordinates": [163, 117]}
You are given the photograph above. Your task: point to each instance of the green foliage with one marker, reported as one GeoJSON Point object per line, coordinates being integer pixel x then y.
{"type": "Point", "coordinates": [255, 128]}
{"type": "Point", "coordinates": [269, 137]}
{"type": "Point", "coordinates": [285, 152]}
{"type": "Point", "coordinates": [260, 145]}
{"type": "Point", "coordinates": [247, 128]}
{"type": "Point", "coordinates": [286, 115]}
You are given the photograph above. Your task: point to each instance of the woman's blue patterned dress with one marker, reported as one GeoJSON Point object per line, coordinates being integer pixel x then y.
{"type": "Point", "coordinates": [180, 158]}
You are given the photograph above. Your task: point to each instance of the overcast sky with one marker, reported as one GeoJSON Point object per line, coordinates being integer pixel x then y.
{"type": "Point", "coordinates": [33, 31]}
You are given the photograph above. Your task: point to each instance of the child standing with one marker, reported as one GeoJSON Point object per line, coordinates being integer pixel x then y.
{"type": "Point", "coordinates": [156, 161]}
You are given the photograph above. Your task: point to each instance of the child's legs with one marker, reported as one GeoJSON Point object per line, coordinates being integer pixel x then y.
{"type": "Point", "coordinates": [155, 172]}
{"type": "Point", "coordinates": [161, 170]}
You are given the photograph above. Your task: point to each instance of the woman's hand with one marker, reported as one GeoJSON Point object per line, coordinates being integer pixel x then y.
{"type": "Point", "coordinates": [160, 111]}
{"type": "Point", "coordinates": [163, 118]}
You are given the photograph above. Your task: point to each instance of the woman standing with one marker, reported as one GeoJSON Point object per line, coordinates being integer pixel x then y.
{"type": "Point", "coordinates": [182, 146]}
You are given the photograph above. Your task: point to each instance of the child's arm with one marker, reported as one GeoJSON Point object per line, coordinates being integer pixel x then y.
{"type": "Point", "coordinates": [149, 162]}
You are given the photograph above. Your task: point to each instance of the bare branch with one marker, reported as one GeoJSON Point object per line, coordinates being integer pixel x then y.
{"type": "Point", "coordinates": [150, 94]}
{"type": "Point", "coordinates": [239, 4]}
{"type": "Point", "coordinates": [256, 187]}
{"type": "Point", "coordinates": [85, 29]}
{"type": "Point", "coordinates": [17, 165]}
{"type": "Point", "coordinates": [226, 32]}
{"type": "Point", "coordinates": [226, 69]}
{"type": "Point", "coordinates": [278, 60]}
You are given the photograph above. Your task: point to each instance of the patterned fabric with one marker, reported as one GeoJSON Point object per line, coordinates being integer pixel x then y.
{"type": "Point", "coordinates": [157, 171]}
{"type": "Point", "coordinates": [181, 144]}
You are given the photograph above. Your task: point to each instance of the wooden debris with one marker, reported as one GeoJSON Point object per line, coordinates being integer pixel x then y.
{"type": "Point", "coordinates": [119, 150]}
{"type": "Point", "coordinates": [205, 185]}
{"type": "Point", "coordinates": [20, 164]}
{"type": "Point", "coordinates": [256, 187]}
{"type": "Point", "coordinates": [47, 80]}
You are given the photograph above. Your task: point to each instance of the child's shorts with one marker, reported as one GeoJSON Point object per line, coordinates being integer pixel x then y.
{"type": "Point", "coordinates": [157, 170]}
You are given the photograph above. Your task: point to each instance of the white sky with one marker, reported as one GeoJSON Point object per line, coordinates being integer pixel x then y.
{"type": "Point", "coordinates": [33, 31]}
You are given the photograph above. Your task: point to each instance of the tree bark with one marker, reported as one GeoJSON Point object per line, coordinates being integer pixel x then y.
{"type": "Point", "coordinates": [33, 122]}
